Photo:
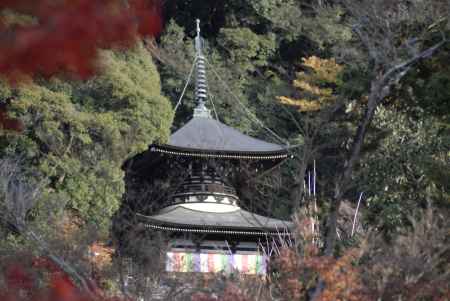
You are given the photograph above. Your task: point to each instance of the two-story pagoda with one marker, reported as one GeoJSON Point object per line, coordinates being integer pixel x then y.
{"type": "Point", "coordinates": [206, 229]}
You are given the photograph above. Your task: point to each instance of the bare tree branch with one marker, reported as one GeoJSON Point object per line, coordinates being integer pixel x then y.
{"type": "Point", "coordinates": [18, 195]}
{"type": "Point", "coordinates": [386, 77]}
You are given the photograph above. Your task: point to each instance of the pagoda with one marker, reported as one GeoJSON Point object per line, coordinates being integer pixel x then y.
{"type": "Point", "coordinates": [205, 228]}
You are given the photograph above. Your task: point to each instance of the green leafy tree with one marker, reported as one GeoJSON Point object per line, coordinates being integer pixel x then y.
{"type": "Point", "coordinates": [79, 133]}
{"type": "Point", "coordinates": [405, 171]}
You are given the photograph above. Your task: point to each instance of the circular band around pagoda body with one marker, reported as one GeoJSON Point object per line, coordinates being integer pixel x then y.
{"type": "Point", "coordinates": [156, 227]}
{"type": "Point", "coordinates": [226, 156]}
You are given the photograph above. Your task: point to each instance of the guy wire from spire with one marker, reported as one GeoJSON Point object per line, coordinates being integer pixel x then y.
{"type": "Point", "coordinates": [185, 86]}
{"type": "Point", "coordinates": [251, 116]}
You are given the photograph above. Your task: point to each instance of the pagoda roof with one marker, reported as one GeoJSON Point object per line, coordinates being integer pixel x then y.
{"type": "Point", "coordinates": [205, 136]}
{"type": "Point", "coordinates": [179, 218]}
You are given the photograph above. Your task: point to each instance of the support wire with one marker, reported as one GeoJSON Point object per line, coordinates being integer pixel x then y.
{"type": "Point", "coordinates": [255, 119]}
{"type": "Point", "coordinates": [213, 106]}
{"type": "Point", "coordinates": [185, 86]}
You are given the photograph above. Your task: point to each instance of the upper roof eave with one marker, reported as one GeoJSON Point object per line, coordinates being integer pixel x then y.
{"type": "Point", "coordinates": [227, 154]}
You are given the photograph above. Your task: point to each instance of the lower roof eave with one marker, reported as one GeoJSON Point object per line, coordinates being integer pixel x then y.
{"type": "Point", "coordinates": [216, 230]}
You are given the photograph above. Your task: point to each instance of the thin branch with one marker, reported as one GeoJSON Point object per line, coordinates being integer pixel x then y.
{"type": "Point", "coordinates": [356, 213]}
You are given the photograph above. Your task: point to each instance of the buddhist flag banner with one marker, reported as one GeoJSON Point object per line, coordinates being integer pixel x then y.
{"type": "Point", "coordinates": [251, 264]}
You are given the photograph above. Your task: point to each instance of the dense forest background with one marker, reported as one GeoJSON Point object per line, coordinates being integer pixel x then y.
{"type": "Point", "coordinates": [358, 90]}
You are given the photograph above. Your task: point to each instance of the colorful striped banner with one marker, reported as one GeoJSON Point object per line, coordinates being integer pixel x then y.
{"type": "Point", "coordinates": [252, 264]}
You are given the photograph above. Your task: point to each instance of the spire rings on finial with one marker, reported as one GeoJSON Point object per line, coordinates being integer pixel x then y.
{"type": "Point", "coordinates": [198, 26]}
{"type": "Point", "coordinates": [201, 87]}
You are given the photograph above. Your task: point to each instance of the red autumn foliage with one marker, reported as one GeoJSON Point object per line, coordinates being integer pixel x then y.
{"type": "Point", "coordinates": [21, 284]}
{"type": "Point", "coordinates": [410, 266]}
{"type": "Point", "coordinates": [66, 36]}
{"type": "Point", "coordinates": [68, 33]}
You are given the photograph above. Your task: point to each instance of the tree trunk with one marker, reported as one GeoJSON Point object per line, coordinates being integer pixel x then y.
{"type": "Point", "coordinates": [355, 154]}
